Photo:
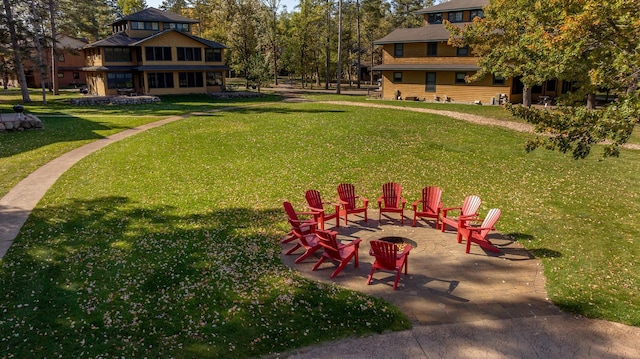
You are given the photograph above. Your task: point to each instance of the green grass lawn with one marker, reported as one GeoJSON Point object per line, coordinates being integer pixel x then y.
{"type": "Point", "coordinates": [166, 243]}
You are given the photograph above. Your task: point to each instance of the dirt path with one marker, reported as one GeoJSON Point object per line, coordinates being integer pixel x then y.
{"type": "Point", "coordinates": [480, 120]}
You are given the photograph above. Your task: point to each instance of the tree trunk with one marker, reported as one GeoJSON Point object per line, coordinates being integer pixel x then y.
{"type": "Point", "coordinates": [41, 65]}
{"type": "Point", "coordinates": [11, 26]}
{"type": "Point", "coordinates": [526, 96]}
{"type": "Point", "coordinates": [327, 48]}
{"type": "Point", "coordinates": [54, 53]}
{"type": "Point", "coordinates": [339, 65]}
{"type": "Point", "coordinates": [358, 35]}
{"type": "Point", "coordinates": [275, 50]}
{"type": "Point", "coordinates": [591, 101]}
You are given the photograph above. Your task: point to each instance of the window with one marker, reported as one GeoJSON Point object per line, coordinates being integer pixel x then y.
{"type": "Point", "coordinates": [160, 80]}
{"type": "Point", "coordinates": [462, 51]}
{"type": "Point", "coordinates": [567, 86]}
{"type": "Point", "coordinates": [551, 86]}
{"type": "Point", "coordinates": [117, 54]}
{"type": "Point", "coordinates": [119, 80]}
{"type": "Point", "coordinates": [432, 49]}
{"type": "Point", "coordinates": [498, 80]}
{"type": "Point", "coordinates": [60, 57]}
{"type": "Point", "coordinates": [398, 50]}
{"type": "Point", "coordinates": [397, 77]}
{"type": "Point", "coordinates": [177, 26]}
{"type": "Point", "coordinates": [212, 55]}
{"type": "Point", "coordinates": [158, 53]}
{"type": "Point", "coordinates": [434, 18]}
{"type": "Point", "coordinates": [214, 78]}
{"type": "Point", "coordinates": [189, 54]}
{"type": "Point", "coordinates": [190, 79]}
{"type": "Point", "coordinates": [460, 77]}
{"type": "Point", "coordinates": [455, 16]}
{"type": "Point", "coordinates": [76, 76]}
{"type": "Point", "coordinates": [431, 82]}
{"type": "Point", "coordinates": [476, 13]}
{"type": "Point", "coordinates": [144, 25]}
{"type": "Point", "coordinates": [60, 75]}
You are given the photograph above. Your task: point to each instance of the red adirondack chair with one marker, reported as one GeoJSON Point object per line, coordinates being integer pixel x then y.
{"type": "Point", "coordinates": [303, 231]}
{"type": "Point", "coordinates": [347, 195]}
{"type": "Point", "coordinates": [392, 200]}
{"type": "Point", "coordinates": [431, 205]}
{"type": "Point", "coordinates": [303, 226]}
{"type": "Point", "coordinates": [479, 234]}
{"type": "Point", "coordinates": [387, 258]}
{"type": "Point", "coordinates": [336, 251]}
{"type": "Point", "coordinates": [316, 205]}
{"type": "Point", "coordinates": [468, 211]}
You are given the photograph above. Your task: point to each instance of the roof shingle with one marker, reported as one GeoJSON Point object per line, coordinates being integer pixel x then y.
{"type": "Point", "coordinates": [454, 5]}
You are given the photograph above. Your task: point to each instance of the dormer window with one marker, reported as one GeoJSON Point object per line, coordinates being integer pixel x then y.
{"type": "Point", "coordinates": [476, 13]}
{"type": "Point", "coordinates": [455, 16]}
{"type": "Point", "coordinates": [177, 26]}
{"type": "Point", "coordinates": [434, 18]}
{"type": "Point", "coordinates": [145, 25]}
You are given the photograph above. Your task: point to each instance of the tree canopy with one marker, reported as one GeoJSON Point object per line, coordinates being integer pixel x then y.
{"type": "Point", "coordinates": [593, 44]}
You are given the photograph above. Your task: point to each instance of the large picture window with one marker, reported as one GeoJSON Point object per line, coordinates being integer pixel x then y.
{"type": "Point", "coordinates": [158, 53]}
{"type": "Point", "coordinates": [455, 16]}
{"type": "Point", "coordinates": [189, 54]}
{"type": "Point", "coordinates": [212, 55]}
{"type": "Point", "coordinates": [398, 50]}
{"type": "Point", "coordinates": [117, 54]}
{"type": "Point", "coordinates": [190, 79]}
{"type": "Point", "coordinates": [160, 80]}
{"type": "Point", "coordinates": [119, 80]}
{"type": "Point", "coordinates": [476, 13]}
{"type": "Point", "coordinates": [434, 18]}
{"type": "Point", "coordinates": [214, 78]}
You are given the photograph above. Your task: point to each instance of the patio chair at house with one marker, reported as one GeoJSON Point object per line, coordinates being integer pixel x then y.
{"type": "Point", "coordinates": [304, 232]}
{"type": "Point", "coordinates": [316, 205]}
{"type": "Point", "coordinates": [479, 234]}
{"type": "Point", "coordinates": [302, 226]}
{"type": "Point", "coordinates": [387, 258]}
{"type": "Point", "coordinates": [348, 201]}
{"type": "Point", "coordinates": [468, 211]}
{"type": "Point", "coordinates": [429, 205]}
{"type": "Point", "coordinates": [336, 251]}
{"type": "Point", "coordinates": [391, 200]}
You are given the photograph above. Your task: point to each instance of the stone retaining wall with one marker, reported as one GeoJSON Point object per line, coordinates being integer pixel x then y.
{"type": "Point", "coordinates": [113, 100]}
{"type": "Point", "coordinates": [13, 122]}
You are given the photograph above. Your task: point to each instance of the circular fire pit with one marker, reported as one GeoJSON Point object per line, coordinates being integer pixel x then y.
{"type": "Point", "coordinates": [393, 239]}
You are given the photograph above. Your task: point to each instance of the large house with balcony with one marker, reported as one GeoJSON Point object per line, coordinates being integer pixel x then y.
{"type": "Point", "coordinates": [418, 63]}
{"type": "Point", "coordinates": [152, 52]}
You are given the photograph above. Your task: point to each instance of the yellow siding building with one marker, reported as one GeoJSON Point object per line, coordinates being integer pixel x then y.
{"type": "Point", "coordinates": [152, 52]}
{"type": "Point", "coordinates": [418, 63]}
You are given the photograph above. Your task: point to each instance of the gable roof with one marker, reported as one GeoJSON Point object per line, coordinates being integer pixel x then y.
{"type": "Point", "coordinates": [153, 14]}
{"type": "Point", "coordinates": [454, 5]}
{"type": "Point", "coordinates": [431, 33]}
{"type": "Point", "coordinates": [122, 39]}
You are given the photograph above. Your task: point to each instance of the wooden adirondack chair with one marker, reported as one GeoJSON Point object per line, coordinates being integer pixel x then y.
{"type": "Point", "coordinates": [347, 195]}
{"type": "Point", "coordinates": [302, 226]}
{"type": "Point", "coordinates": [392, 200]}
{"type": "Point", "coordinates": [304, 232]}
{"type": "Point", "coordinates": [387, 258]}
{"type": "Point", "coordinates": [468, 212]}
{"type": "Point", "coordinates": [431, 205]}
{"type": "Point", "coordinates": [479, 234]}
{"type": "Point", "coordinates": [316, 205]}
{"type": "Point", "coordinates": [336, 251]}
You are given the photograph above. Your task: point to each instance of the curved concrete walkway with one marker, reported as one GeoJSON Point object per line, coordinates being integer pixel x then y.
{"type": "Point", "coordinates": [497, 332]}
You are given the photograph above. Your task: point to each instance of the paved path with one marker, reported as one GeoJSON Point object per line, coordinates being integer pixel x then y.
{"type": "Point", "coordinates": [462, 306]}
